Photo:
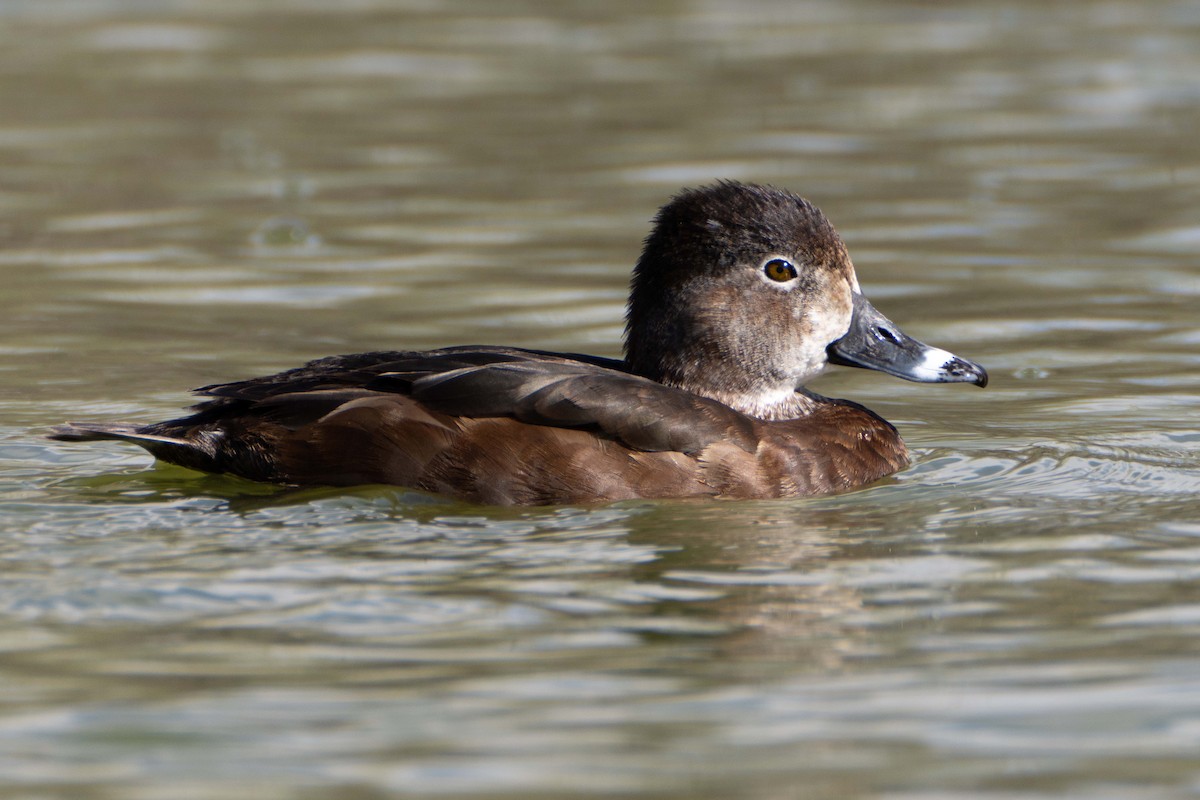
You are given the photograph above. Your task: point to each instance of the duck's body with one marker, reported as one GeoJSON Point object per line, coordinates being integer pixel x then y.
{"type": "Point", "coordinates": [505, 426]}
{"type": "Point", "coordinates": [742, 294]}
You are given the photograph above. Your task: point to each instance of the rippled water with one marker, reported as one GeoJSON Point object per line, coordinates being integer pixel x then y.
{"type": "Point", "coordinates": [200, 191]}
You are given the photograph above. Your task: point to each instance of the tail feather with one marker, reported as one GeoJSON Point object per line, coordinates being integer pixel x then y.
{"type": "Point", "coordinates": [195, 453]}
{"type": "Point", "coordinates": [100, 431]}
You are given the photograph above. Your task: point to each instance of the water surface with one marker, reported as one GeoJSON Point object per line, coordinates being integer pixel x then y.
{"type": "Point", "coordinates": [201, 191]}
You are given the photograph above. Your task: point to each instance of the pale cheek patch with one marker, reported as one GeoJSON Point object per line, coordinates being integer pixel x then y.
{"type": "Point", "coordinates": [830, 319]}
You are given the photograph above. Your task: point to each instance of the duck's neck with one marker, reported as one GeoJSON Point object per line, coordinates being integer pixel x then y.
{"type": "Point", "coordinates": [750, 398]}
{"type": "Point", "coordinates": [788, 404]}
{"type": "Point", "coordinates": [743, 372]}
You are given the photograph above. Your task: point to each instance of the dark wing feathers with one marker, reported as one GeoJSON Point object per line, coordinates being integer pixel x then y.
{"type": "Point", "coordinates": [643, 414]}
{"type": "Point", "coordinates": [638, 412]}
{"type": "Point", "coordinates": [385, 369]}
{"type": "Point", "coordinates": [539, 388]}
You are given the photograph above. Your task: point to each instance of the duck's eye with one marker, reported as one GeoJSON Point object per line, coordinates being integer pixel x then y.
{"type": "Point", "coordinates": [778, 269]}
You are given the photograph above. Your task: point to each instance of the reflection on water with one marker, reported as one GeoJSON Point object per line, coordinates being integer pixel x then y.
{"type": "Point", "coordinates": [206, 191]}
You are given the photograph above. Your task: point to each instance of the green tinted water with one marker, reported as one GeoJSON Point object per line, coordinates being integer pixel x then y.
{"type": "Point", "coordinates": [206, 191]}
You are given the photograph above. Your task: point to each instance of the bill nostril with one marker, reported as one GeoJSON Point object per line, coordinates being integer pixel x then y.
{"type": "Point", "coordinates": [886, 335]}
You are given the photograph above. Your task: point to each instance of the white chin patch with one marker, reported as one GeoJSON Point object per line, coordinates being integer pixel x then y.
{"type": "Point", "coordinates": [932, 366]}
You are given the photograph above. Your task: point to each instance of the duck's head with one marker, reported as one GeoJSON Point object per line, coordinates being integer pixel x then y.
{"type": "Point", "coordinates": [745, 293]}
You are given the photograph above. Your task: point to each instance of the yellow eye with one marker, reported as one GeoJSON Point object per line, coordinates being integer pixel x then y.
{"type": "Point", "coordinates": [780, 270]}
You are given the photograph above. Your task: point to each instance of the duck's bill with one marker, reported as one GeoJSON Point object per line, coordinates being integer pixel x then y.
{"type": "Point", "coordinates": [874, 342]}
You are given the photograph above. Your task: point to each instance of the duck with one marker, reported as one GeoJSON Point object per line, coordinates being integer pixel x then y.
{"type": "Point", "coordinates": [742, 295]}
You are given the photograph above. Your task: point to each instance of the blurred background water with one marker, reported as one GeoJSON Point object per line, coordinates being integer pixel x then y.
{"type": "Point", "coordinates": [202, 190]}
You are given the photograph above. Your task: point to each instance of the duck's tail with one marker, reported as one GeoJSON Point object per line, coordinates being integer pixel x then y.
{"type": "Point", "coordinates": [185, 452]}
{"type": "Point", "coordinates": [99, 431]}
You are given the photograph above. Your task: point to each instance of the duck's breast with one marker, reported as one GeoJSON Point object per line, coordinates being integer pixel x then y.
{"type": "Point", "coordinates": [840, 446]}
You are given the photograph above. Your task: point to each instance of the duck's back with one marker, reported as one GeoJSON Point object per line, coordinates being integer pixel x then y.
{"type": "Point", "coordinates": [509, 426]}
